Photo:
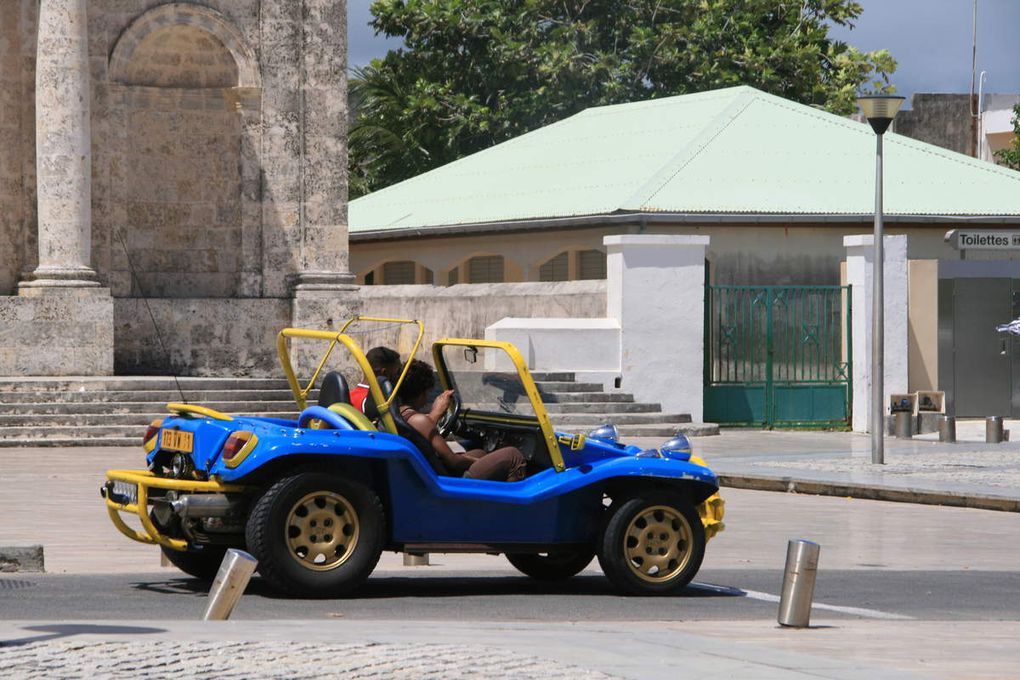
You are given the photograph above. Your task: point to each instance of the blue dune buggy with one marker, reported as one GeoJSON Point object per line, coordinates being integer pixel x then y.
{"type": "Point", "coordinates": [318, 499]}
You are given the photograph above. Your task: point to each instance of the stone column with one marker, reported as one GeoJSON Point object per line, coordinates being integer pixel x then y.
{"type": "Point", "coordinates": [860, 254]}
{"type": "Point", "coordinates": [323, 264]}
{"type": "Point", "coordinates": [656, 290]}
{"type": "Point", "coordinates": [324, 290]}
{"type": "Point", "coordinates": [63, 149]}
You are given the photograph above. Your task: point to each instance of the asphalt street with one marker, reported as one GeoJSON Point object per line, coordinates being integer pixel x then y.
{"type": "Point", "coordinates": [431, 593]}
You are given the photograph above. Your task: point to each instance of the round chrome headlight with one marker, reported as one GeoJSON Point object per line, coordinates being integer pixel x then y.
{"type": "Point", "coordinates": [677, 447]}
{"type": "Point", "coordinates": [605, 432]}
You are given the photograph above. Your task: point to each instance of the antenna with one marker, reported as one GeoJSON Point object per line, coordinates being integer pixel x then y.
{"type": "Point", "coordinates": [155, 326]}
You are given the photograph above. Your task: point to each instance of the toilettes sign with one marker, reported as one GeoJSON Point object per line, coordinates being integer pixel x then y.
{"type": "Point", "coordinates": [984, 240]}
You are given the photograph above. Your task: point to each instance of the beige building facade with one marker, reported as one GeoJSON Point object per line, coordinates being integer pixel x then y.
{"type": "Point", "coordinates": [190, 154]}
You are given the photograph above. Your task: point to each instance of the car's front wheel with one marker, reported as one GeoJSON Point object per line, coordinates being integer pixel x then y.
{"type": "Point", "coordinates": [652, 544]}
{"type": "Point", "coordinates": [316, 534]}
{"type": "Point", "coordinates": [556, 565]}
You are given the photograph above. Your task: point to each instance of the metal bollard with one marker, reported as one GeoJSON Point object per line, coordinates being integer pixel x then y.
{"type": "Point", "coordinates": [903, 424]}
{"type": "Point", "coordinates": [993, 429]}
{"type": "Point", "coordinates": [231, 580]}
{"type": "Point", "coordinates": [947, 429]}
{"type": "Point", "coordinates": [798, 583]}
{"type": "Point", "coordinates": [416, 559]}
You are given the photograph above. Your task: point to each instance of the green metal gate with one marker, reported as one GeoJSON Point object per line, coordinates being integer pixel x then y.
{"type": "Point", "coordinates": [778, 356]}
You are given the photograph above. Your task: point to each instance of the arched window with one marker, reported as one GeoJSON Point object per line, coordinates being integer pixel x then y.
{"type": "Point", "coordinates": [556, 269]}
{"type": "Point", "coordinates": [485, 269]}
{"type": "Point", "coordinates": [591, 264]}
{"type": "Point", "coordinates": [398, 273]}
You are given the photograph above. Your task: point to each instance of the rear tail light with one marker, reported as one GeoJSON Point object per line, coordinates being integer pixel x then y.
{"type": "Point", "coordinates": [149, 439]}
{"type": "Point", "coordinates": [237, 447]}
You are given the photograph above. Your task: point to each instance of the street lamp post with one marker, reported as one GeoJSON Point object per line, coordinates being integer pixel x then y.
{"type": "Point", "coordinates": [880, 110]}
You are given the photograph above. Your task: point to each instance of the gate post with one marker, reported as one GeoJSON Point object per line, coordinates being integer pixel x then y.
{"type": "Point", "coordinates": [656, 290]}
{"type": "Point", "coordinates": [859, 265]}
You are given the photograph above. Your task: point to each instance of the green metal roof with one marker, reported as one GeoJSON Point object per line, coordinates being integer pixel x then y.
{"type": "Point", "coordinates": [737, 151]}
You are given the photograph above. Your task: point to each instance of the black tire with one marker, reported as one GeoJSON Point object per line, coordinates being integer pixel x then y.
{"type": "Point", "coordinates": [202, 564]}
{"type": "Point", "coordinates": [343, 523]}
{"type": "Point", "coordinates": [552, 566]}
{"type": "Point", "coordinates": [652, 544]}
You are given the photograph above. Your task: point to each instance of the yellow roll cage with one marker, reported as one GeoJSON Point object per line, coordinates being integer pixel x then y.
{"type": "Point", "coordinates": [341, 338]}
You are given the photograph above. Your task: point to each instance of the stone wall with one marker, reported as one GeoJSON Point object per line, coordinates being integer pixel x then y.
{"type": "Point", "coordinates": [166, 179]}
{"type": "Point", "coordinates": [70, 333]}
{"type": "Point", "coordinates": [210, 337]}
{"type": "Point", "coordinates": [466, 310]}
{"type": "Point", "coordinates": [203, 337]}
{"type": "Point", "coordinates": [940, 119]}
{"type": "Point", "coordinates": [10, 146]}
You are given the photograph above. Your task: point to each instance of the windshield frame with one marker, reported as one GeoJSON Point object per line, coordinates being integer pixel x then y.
{"type": "Point", "coordinates": [523, 374]}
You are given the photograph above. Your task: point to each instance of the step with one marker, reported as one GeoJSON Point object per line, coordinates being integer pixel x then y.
{"type": "Point", "coordinates": [558, 386]}
{"type": "Point", "coordinates": [545, 376]}
{"type": "Point", "coordinates": [74, 441]}
{"type": "Point", "coordinates": [570, 397]}
{"type": "Point", "coordinates": [34, 384]}
{"type": "Point", "coordinates": [162, 396]}
{"type": "Point", "coordinates": [99, 419]}
{"type": "Point", "coordinates": [590, 420]}
{"type": "Point", "coordinates": [602, 407]}
{"type": "Point", "coordinates": [124, 407]}
{"type": "Point", "coordinates": [667, 430]}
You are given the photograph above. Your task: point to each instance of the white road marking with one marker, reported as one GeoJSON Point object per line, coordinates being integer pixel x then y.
{"type": "Point", "coordinates": [768, 597]}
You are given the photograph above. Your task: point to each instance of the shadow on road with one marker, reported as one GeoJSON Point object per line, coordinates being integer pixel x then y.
{"type": "Point", "coordinates": [440, 586]}
{"type": "Point", "coordinates": [57, 631]}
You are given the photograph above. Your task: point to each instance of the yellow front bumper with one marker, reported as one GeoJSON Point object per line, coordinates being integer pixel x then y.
{"type": "Point", "coordinates": [143, 481]}
{"type": "Point", "coordinates": [711, 513]}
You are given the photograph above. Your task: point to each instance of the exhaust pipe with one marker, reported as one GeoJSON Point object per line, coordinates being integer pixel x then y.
{"type": "Point", "coordinates": [192, 506]}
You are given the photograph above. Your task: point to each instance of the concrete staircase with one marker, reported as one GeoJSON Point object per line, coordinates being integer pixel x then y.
{"type": "Point", "coordinates": [114, 411]}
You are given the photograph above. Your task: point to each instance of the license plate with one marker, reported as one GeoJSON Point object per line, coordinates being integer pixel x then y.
{"type": "Point", "coordinates": [177, 440]}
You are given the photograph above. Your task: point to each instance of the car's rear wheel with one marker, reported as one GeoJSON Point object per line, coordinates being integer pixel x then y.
{"type": "Point", "coordinates": [652, 544]}
{"type": "Point", "coordinates": [555, 565]}
{"type": "Point", "coordinates": [202, 564]}
{"type": "Point", "coordinates": [316, 534]}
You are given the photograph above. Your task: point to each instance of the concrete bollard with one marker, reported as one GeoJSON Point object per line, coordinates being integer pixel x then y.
{"type": "Point", "coordinates": [903, 424]}
{"type": "Point", "coordinates": [231, 580]}
{"type": "Point", "coordinates": [416, 559]}
{"type": "Point", "coordinates": [993, 429]}
{"type": "Point", "coordinates": [798, 583]}
{"type": "Point", "coordinates": [947, 429]}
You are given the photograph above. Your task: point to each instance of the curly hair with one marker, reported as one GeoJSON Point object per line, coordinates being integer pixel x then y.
{"type": "Point", "coordinates": [419, 380]}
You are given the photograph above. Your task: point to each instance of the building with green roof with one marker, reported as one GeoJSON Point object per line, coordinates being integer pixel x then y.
{"type": "Point", "coordinates": [777, 186]}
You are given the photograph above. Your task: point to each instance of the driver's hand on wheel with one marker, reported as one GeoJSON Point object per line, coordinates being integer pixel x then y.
{"type": "Point", "coordinates": [440, 405]}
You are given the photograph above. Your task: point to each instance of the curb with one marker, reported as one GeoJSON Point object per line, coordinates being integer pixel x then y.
{"type": "Point", "coordinates": [18, 558]}
{"type": "Point", "coordinates": [868, 492]}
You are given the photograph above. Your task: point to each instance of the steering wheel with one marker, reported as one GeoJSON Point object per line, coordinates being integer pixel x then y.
{"type": "Point", "coordinates": [449, 420]}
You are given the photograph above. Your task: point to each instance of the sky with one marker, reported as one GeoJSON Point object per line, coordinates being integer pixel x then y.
{"type": "Point", "coordinates": [930, 39]}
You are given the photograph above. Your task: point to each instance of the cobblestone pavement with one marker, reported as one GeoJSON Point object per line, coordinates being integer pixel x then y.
{"type": "Point", "coordinates": [69, 660]}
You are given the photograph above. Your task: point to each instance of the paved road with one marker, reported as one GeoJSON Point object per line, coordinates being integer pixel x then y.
{"type": "Point", "coordinates": [436, 594]}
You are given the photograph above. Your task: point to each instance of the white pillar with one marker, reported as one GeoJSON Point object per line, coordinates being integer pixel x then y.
{"type": "Point", "coordinates": [63, 148]}
{"type": "Point", "coordinates": [859, 264]}
{"type": "Point", "coordinates": [656, 290]}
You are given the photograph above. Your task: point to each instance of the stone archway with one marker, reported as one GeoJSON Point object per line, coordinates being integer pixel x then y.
{"type": "Point", "coordinates": [180, 145]}
{"type": "Point", "coordinates": [138, 36]}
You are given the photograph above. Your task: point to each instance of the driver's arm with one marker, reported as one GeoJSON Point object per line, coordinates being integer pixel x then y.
{"type": "Point", "coordinates": [439, 406]}
{"type": "Point", "coordinates": [455, 462]}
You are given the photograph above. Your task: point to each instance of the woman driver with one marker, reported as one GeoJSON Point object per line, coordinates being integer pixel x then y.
{"type": "Point", "coordinates": [502, 465]}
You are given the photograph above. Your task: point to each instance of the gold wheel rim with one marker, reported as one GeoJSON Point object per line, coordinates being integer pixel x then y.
{"type": "Point", "coordinates": [322, 530]}
{"type": "Point", "coordinates": [658, 544]}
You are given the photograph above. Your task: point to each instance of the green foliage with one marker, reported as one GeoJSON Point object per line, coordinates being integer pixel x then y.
{"type": "Point", "coordinates": [474, 73]}
{"type": "Point", "coordinates": [1010, 156]}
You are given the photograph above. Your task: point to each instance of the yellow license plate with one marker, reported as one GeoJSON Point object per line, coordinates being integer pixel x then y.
{"type": "Point", "coordinates": [177, 440]}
